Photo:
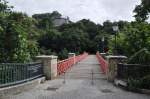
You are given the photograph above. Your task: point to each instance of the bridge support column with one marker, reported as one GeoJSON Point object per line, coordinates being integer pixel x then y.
{"type": "Point", "coordinates": [49, 65]}
{"type": "Point", "coordinates": [112, 66]}
{"type": "Point", "coordinates": [72, 55]}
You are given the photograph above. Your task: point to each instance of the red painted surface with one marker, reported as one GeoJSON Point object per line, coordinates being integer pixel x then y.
{"type": "Point", "coordinates": [64, 65]}
{"type": "Point", "coordinates": [103, 63]}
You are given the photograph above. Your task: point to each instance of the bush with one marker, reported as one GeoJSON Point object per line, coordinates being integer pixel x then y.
{"type": "Point", "coordinates": [134, 83]}
{"type": "Point", "coordinates": [143, 83]}
{"type": "Point", "coordinates": [146, 82]}
{"type": "Point", "coordinates": [140, 57]}
{"type": "Point", "coordinates": [14, 45]}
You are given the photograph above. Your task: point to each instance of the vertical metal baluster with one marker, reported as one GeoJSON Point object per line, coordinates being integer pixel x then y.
{"type": "Point", "coordinates": [16, 76]}
{"type": "Point", "coordinates": [0, 74]}
{"type": "Point", "coordinates": [5, 77]}
{"type": "Point", "coordinates": [29, 70]}
{"type": "Point", "coordinates": [9, 73]}
{"type": "Point", "coordinates": [26, 71]}
{"type": "Point", "coordinates": [17, 72]}
{"type": "Point", "coordinates": [12, 73]}
{"type": "Point", "coordinates": [22, 73]}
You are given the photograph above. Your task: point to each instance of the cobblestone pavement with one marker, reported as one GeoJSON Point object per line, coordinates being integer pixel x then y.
{"type": "Point", "coordinates": [79, 84]}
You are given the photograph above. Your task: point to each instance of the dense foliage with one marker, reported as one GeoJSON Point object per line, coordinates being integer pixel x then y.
{"type": "Point", "coordinates": [75, 37]}
{"type": "Point", "coordinates": [22, 37]}
{"type": "Point", "coordinates": [140, 57]}
{"type": "Point", "coordinates": [132, 38]}
{"type": "Point", "coordinates": [15, 44]}
{"type": "Point", "coordinates": [143, 83]}
{"type": "Point", "coordinates": [142, 11]}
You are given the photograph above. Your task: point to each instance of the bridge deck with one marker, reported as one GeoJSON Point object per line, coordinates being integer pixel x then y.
{"type": "Point", "coordinates": [85, 69]}
{"type": "Point", "coordinates": [79, 85]}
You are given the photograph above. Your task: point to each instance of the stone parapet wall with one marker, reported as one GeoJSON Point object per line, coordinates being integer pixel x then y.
{"type": "Point", "coordinates": [112, 66]}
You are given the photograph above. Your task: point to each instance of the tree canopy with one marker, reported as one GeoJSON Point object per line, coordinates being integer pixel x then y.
{"type": "Point", "coordinates": [142, 11]}
{"type": "Point", "coordinates": [15, 39]}
{"type": "Point", "coordinates": [22, 37]}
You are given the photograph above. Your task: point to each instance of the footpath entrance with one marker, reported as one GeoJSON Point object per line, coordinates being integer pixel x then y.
{"type": "Point", "coordinates": [83, 81]}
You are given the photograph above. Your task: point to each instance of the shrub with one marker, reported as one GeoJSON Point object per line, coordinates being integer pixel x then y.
{"type": "Point", "coordinates": [140, 57]}
{"type": "Point", "coordinates": [143, 83]}
{"type": "Point", "coordinates": [146, 82]}
{"type": "Point", "coordinates": [134, 83]}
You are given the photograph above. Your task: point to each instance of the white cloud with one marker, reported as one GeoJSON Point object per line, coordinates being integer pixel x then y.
{"type": "Point", "coordinates": [95, 10]}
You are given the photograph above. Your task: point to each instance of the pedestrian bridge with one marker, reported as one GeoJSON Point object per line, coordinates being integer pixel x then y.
{"type": "Point", "coordinates": [83, 80]}
{"type": "Point", "coordinates": [88, 68]}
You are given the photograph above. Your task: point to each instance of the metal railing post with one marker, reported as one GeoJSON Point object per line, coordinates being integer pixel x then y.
{"type": "Point", "coordinates": [64, 82]}
{"type": "Point", "coordinates": [92, 81]}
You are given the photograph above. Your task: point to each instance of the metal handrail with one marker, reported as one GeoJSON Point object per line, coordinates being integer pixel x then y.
{"type": "Point", "coordinates": [64, 65]}
{"type": "Point", "coordinates": [103, 63]}
{"type": "Point", "coordinates": [15, 73]}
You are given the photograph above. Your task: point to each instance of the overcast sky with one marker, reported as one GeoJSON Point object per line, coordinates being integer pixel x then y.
{"type": "Point", "coordinates": [95, 10]}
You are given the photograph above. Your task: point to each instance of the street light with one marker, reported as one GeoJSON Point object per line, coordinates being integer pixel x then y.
{"type": "Point", "coordinates": [103, 39]}
{"type": "Point", "coordinates": [115, 29]}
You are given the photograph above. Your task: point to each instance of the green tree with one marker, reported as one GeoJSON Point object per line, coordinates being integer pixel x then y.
{"type": "Point", "coordinates": [142, 11]}
{"type": "Point", "coordinates": [14, 46]}
{"type": "Point", "coordinates": [4, 7]}
{"type": "Point", "coordinates": [133, 38]}
{"type": "Point", "coordinates": [15, 42]}
{"type": "Point", "coordinates": [74, 40]}
{"type": "Point", "coordinates": [50, 40]}
{"type": "Point", "coordinates": [63, 54]}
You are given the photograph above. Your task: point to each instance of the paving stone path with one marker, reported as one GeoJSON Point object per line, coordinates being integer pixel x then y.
{"type": "Point", "coordinates": [83, 81]}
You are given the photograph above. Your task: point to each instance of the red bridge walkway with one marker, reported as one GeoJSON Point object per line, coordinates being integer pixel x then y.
{"type": "Point", "coordinates": [84, 80]}
{"type": "Point", "coordinates": [88, 68]}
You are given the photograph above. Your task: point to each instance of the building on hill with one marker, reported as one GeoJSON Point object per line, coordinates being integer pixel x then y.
{"type": "Point", "coordinates": [60, 21]}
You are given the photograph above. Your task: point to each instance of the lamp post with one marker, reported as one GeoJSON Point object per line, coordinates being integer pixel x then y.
{"type": "Point", "coordinates": [103, 39]}
{"type": "Point", "coordinates": [115, 29]}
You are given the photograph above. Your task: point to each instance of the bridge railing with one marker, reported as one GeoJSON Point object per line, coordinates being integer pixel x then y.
{"type": "Point", "coordinates": [103, 62]}
{"type": "Point", "coordinates": [64, 65]}
{"type": "Point", "coordinates": [16, 73]}
{"type": "Point", "coordinates": [80, 57]}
